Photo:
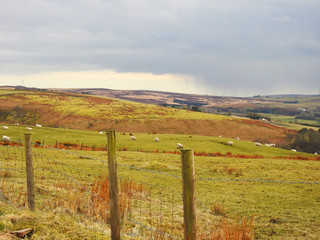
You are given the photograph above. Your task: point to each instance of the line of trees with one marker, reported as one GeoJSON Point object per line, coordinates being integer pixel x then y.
{"type": "Point", "coordinates": [307, 140]}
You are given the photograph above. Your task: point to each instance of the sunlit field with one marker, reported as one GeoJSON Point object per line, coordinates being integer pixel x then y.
{"type": "Point", "coordinates": [282, 195]}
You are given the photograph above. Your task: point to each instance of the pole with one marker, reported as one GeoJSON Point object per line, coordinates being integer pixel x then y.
{"type": "Point", "coordinates": [29, 169]}
{"type": "Point", "coordinates": [113, 179]}
{"type": "Point", "coordinates": [188, 178]}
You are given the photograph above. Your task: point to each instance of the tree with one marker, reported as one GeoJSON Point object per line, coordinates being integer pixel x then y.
{"type": "Point", "coordinates": [307, 140]}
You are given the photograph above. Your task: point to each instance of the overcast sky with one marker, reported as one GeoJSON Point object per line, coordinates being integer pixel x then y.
{"type": "Point", "coordinates": [214, 47]}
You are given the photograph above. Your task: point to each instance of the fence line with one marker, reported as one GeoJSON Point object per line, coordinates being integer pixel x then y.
{"type": "Point", "coordinates": [175, 176]}
{"type": "Point", "coordinates": [74, 172]}
{"type": "Point", "coordinates": [48, 164]}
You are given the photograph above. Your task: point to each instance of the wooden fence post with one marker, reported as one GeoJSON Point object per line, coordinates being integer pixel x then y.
{"type": "Point", "coordinates": [29, 169]}
{"type": "Point", "coordinates": [113, 179]}
{"type": "Point", "coordinates": [188, 178]}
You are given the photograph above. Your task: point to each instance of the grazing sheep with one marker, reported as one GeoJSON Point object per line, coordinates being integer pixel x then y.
{"type": "Point", "coordinates": [38, 125]}
{"type": "Point", "coordinates": [258, 144]}
{"type": "Point", "coordinates": [230, 143]}
{"type": "Point", "coordinates": [5, 138]}
{"type": "Point", "coordinates": [17, 124]}
{"type": "Point", "coordinates": [156, 139]}
{"type": "Point", "coordinates": [315, 153]}
{"type": "Point", "coordinates": [237, 138]}
{"type": "Point", "coordinates": [100, 132]}
{"type": "Point", "coordinates": [133, 138]}
{"type": "Point", "coordinates": [29, 128]}
{"type": "Point", "coordinates": [293, 150]}
{"type": "Point", "coordinates": [272, 145]}
{"type": "Point", "coordinates": [267, 144]}
{"type": "Point", "coordinates": [220, 136]}
{"type": "Point", "coordinates": [5, 127]}
{"type": "Point", "coordinates": [179, 145]}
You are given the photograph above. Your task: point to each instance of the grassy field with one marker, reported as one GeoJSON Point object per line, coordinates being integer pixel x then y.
{"type": "Point", "coordinates": [145, 142]}
{"type": "Point", "coordinates": [86, 112]}
{"type": "Point", "coordinates": [296, 102]}
{"type": "Point", "coordinates": [292, 123]}
{"type": "Point", "coordinates": [282, 207]}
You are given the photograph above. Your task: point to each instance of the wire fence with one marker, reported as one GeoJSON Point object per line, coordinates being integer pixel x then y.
{"type": "Point", "coordinates": [72, 183]}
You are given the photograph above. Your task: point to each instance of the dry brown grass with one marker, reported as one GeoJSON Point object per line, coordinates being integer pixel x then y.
{"type": "Point", "coordinates": [232, 230]}
{"type": "Point", "coordinates": [218, 209]}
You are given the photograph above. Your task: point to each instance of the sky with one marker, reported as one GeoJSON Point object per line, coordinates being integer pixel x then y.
{"type": "Point", "coordinates": [211, 47]}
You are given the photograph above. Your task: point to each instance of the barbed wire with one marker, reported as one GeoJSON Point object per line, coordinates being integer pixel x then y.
{"type": "Point", "coordinates": [74, 168]}
{"type": "Point", "coordinates": [91, 193]}
{"type": "Point", "coordinates": [255, 180]}
{"type": "Point", "coordinates": [151, 171]}
{"type": "Point", "coordinates": [197, 179]}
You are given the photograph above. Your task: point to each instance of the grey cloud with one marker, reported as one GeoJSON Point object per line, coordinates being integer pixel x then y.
{"type": "Point", "coordinates": [247, 44]}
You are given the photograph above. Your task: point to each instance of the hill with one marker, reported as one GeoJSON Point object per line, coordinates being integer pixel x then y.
{"type": "Point", "coordinates": [302, 110]}
{"type": "Point", "coordinates": [82, 111]}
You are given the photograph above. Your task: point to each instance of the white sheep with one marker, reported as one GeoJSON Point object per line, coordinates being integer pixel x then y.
{"type": "Point", "coordinates": [133, 138]}
{"type": "Point", "coordinates": [258, 144]}
{"type": "Point", "coordinates": [220, 136]}
{"type": "Point", "coordinates": [272, 145]}
{"type": "Point", "coordinates": [156, 139]}
{"type": "Point", "coordinates": [29, 128]}
{"type": "Point", "coordinates": [38, 125]}
{"type": "Point", "coordinates": [5, 138]}
{"type": "Point", "coordinates": [100, 132]}
{"type": "Point", "coordinates": [293, 150]}
{"type": "Point", "coordinates": [179, 145]}
{"type": "Point", "coordinates": [237, 138]}
{"type": "Point", "coordinates": [5, 127]}
{"type": "Point", "coordinates": [17, 124]}
{"type": "Point", "coordinates": [230, 143]}
{"type": "Point", "coordinates": [267, 144]}
{"type": "Point", "coordinates": [315, 153]}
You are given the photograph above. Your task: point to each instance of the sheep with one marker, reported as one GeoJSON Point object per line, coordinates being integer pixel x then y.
{"type": "Point", "coordinates": [267, 145]}
{"type": "Point", "coordinates": [220, 136]}
{"type": "Point", "coordinates": [230, 143]}
{"type": "Point", "coordinates": [29, 128]}
{"type": "Point", "coordinates": [100, 132]}
{"type": "Point", "coordinates": [133, 138]}
{"type": "Point", "coordinates": [315, 153]}
{"type": "Point", "coordinates": [156, 139]}
{"type": "Point", "coordinates": [179, 145]}
{"type": "Point", "coordinates": [258, 144]}
{"type": "Point", "coordinates": [17, 124]}
{"type": "Point", "coordinates": [293, 150]}
{"type": "Point", "coordinates": [5, 127]}
{"type": "Point", "coordinates": [272, 145]}
{"type": "Point", "coordinates": [5, 138]}
{"type": "Point", "coordinates": [38, 125]}
{"type": "Point", "coordinates": [237, 138]}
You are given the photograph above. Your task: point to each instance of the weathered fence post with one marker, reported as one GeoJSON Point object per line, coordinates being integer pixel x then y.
{"type": "Point", "coordinates": [29, 169]}
{"type": "Point", "coordinates": [189, 210]}
{"type": "Point", "coordinates": [113, 179]}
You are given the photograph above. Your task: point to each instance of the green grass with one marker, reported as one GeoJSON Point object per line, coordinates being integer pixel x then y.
{"type": "Point", "coordinates": [145, 141]}
{"type": "Point", "coordinates": [281, 210]}
{"type": "Point", "coordinates": [100, 107]}
{"type": "Point", "coordinates": [291, 123]}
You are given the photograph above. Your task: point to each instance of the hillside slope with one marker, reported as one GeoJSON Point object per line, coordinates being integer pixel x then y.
{"type": "Point", "coordinates": [76, 111]}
